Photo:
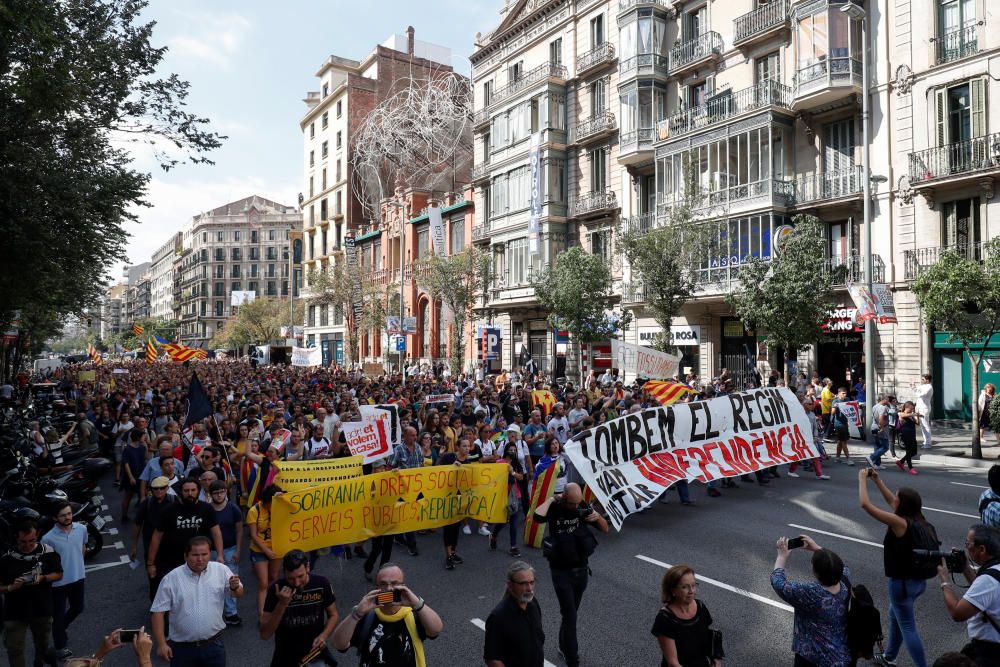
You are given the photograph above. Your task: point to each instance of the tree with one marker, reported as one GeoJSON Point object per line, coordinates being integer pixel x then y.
{"type": "Point", "coordinates": [455, 281]}
{"type": "Point", "coordinates": [78, 83]}
{"type": "Point", "coordinates": [576, 290]}
{"type": "Point", "coordinates": [789, 297]}
{"type": "Point", "coordinates": [151, 326]}
{"type": "Point", "coordinates": [337, 286]}
{"type": "Point", "coordinates": [257, 322]}
{"type": "Point", "coordinates": [665, 261]}
{"type": "Point", "coordinates": [961, 295]}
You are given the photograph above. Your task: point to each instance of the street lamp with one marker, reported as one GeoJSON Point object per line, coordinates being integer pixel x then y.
{"type": "Point", "coordinates": [857, 13]}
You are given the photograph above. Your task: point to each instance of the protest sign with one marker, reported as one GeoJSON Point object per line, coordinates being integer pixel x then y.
{"type": "Point", "coordinates": [440, 398]}
{"type": "Point", "coordinates": [642, 361]}
{"type": "Point", "coordinates": [366, 439]}
{"type": "Point", "coordinates": [387, 413]}
{"type": "Point", "coordinates": [852, 412]}
{"type": "Point", "coordinates": [307, 356]}
{"type": "Point", "coordinates": [299, 475]}
{"type": "Point", "coordinates": [120, 371]}
{"type": "Point", "coordinates": [388, 503]}
{"type": "Point", "coordinates": [87, 376]}
{"type": "Point", "coordinates": [628, 462]}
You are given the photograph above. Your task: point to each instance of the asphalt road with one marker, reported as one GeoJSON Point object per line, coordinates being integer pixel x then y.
{"type": "Point", "coordinates": [729, 541]}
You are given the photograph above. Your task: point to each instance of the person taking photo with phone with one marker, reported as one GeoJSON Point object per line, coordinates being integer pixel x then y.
{"type": "Point", "coordinates": [819, 637]}
{"type": "Point", "coordinates": [389, 625]}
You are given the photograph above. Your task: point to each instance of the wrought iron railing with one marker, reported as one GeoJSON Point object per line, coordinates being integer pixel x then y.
{"type": "Point", "coordinates": [851, 268]}
{"type": "Point", "coordinates": [639, 224]}
{"type": "Point", "coordinates": [480, 170]}
{"type": "Point", "coordinates": [637, 140]}
{"type": "Point", "coordinates": [759, 20]}
{"type": "Point", "coordinates": [599, 55]}
{"type": "Point", "coordinates": [644, 63]}
{"type": "Point", "coordinates": [593, 202]}
{"type": "Point", "coordinates": [957, 44]}
{"type": "Point", "coordinates": [726, 105]}
{"type": "Point", "coordinates": [598, 124]}
{"type": "Point", "coordinates": [830, 185]}
{"type": "Point", "coordinates": [480, 233]}
{"type": "Point", "coordinates": [702, 46]}
{"type": "Point", "coordinates": [529, 78]}
{"type": "Point", "coordinates": [481, 116]}
{"type": "Point", "coordinates": [918, 260]}
{"type": "Point", "coordinates": [961, 157]}
{"type": "Point", "coordinates": [634, 292]}
{"type": "Point", "coordinates": [836, 71]}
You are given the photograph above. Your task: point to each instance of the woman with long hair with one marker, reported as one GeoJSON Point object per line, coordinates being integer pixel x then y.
{"type": "Point", "coordinates": [905, 584]}
{"type": "Point", "coordinates": [515, 473]}
{"type": "Point", "coordinates": [683, 625]}
{"type": "Point", "coordinates": [266, 563]}
{"type": "Point", "coordinates": [908, 421]}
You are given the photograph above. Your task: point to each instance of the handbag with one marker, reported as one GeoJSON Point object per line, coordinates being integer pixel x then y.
{"type": "Point", "coordinates": [513, 502]}
{"type": "Point", "coordinates": [715, 651]}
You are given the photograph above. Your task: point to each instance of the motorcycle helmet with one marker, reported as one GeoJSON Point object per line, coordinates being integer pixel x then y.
{"type": "Point", "coordinates": [26, 513]}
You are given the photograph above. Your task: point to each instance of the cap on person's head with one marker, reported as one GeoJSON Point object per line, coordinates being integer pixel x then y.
{"type": "Point", "coordinates": [480, 411]}
{"type": "Point", "coordinates": [514, 428]}
{"type": "Point", "coordinates": [160, 482]}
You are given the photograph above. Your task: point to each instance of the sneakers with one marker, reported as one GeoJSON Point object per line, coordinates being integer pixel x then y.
{"type": "Point", "coordinates": [514, 552]}
{"type": "Point", "coordinates": [822, 477]}
{"type": "Point", "coordinates": [850, 462]}
{"type": "Point", "coordinates": [466, 530]}
{"type": "Point", "coordinates": [458, 560]}
{"type": "Point", "coordinates": [234, 620]}
{"type": "Point", "coordinates": [913, 471]}
{"type": "Point", "coordinates": [792, 474]}
{"type": "Point", "coordinates": [484, 530]}
{"type": "Point", "coordinates": [883, 661]}
{"type": "Point", "coordinates": [449, 563]}
{"type": "Point", "coordinates": [899, 464]}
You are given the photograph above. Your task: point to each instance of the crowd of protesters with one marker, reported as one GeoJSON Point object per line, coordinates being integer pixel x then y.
{"type": "Point", "coordinates": [196, 496]}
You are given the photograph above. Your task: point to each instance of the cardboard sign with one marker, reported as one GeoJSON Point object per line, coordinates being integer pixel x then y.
{"type": "Point", "coordinates": [366, 439]}
{"type": "Point", "coordinates": [642, 361]}
{"type": "Point", "coordinates": [440, 398]}
{"type": "Point", "coordinates": [307, 356]}
{"type": "Point", "coordinates": [389, 415]}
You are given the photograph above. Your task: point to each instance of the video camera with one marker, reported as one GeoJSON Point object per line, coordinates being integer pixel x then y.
{"type": "Point", "coordinates": [955, 560]}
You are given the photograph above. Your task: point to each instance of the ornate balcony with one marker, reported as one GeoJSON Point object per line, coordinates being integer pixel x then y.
{"type": "Point", "coordinates": [481, 172]}
{"type": "Point", "coordinates": [694, 52]}
{"type": "Point", "coordinates": [956, 44]}
{"type": "Point", "coordinates": [760, 23]}
{"type": "Point", "coordinates": [918, 260]}
{"type": "Point", "coordinates": [636, 145]}
{"type": "Point", "coordinates": [480, 234]}
{"type": "Point", "coordinates": [826, 81]}
{"type": "Point", "coordinates": [531, 77]}
{"type": "Point", "coordinates": [851, 269]}
{"type": "Point", "coordinates": [602, 54]}
{"type": "Point", "coordinates": [643, 64]}
{"type": "Point", "coordinates": [639, 224]}
{"type": "Point", "coordinates": [633, 292]}
{"type": "Point", "coordinates": [829, 186]}
{"type": "Point", "coordinates": [955, 161]}
{"type": "Point", "coordinates": [594, 204]}
{"type": "Point", "coordinates": [726, 105]}
{"type": "Point", "coordinates": [481, 118]}
{"type": "Point", "coordinates": [594, 128]}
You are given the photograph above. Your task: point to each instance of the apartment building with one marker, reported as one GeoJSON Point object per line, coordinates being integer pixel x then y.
{"type": "Point", "coordinates": [161, 284]}
{"type": "Point", "coordinates": [245, 246]}
{"type": "Point", "coordinates": [547, 80]}
{"type": "Point", "coordinates": [348, 90]}
{"type": "Point", "coordinates": [111, 311]}
{"type": "Point", "coordinates": [136, 296]}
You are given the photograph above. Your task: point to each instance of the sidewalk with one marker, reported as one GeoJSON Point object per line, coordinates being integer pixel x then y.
{"type": "Point", "coordinates": [953, 446]}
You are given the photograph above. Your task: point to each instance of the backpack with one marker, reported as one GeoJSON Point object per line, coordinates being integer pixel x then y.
{"type": "Point", "coordinates": [924, 537]}
{"type": "Point", "coordinates": [864, 623]}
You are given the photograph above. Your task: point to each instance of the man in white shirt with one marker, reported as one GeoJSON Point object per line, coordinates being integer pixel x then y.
{"type": "Point", "coordinates": [980, 606]}
{"type": "Point", "coordinates": [558, 424]}
{"type": "Point", "coordinates": [194, 595]}
{"type": "Point", "coordinates": [605, 378]}
{"type": "Point", "coordinates": [577, 414]}
{"type": "Point", "coordinates": [923, 397]}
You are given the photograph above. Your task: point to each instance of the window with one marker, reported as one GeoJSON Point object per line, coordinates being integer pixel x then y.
{"type": "Point", "coordinates": [960, 227]}
{"type": "Point", "coordinates": [768, 67]}
{"type": "Point", "coordinates": [237, 254]}
{"type": "Point", "coordinates": [312, 130]}
{"type": "Point", "coordinates": [518, 262]}
{"type": "Point", "coordinates": [312, 158]}
{"type": "Point", "coordinates": [338, 315]}
{"type": "Point", "coordinates": [253, 269]}
{"type": "Point", "coordinates": [325, 121]}
{"type": "Point", "coordinates": [423, 242]}
{"type": "Point", "coordinates": [252, 285]}
{"type": "Point", "coordinates": [218, 308]}
{"type": "Point", "coordinates": [338, 170]}
{"type": "Point", "coordinates": [323, 212]}
{"type": "Point", "coordinates": [838, 147]}
{"type": "Point", "coordinates": [554, 182]}
{"type": "Point", "coordinates": [340, 139]}
{"type": "Point", "coordinates": [515, 71]}
{"type": "Point", "coordinates": [600, 244]}
{"type": "Point", "coordinates": [695, 23]}
{"type": "Point", "coordinates": [235, 287]}
{"type": "Point", "coordinates": [284, 288]}
{"type": "Point", "coordinates": [377, 251]}
{"type": "Point", "coordinates": [312, 316]}
{"type": "Point", "coordinates": [272, 254]}
{"type": "Point", "coordinates": [272, 288]}
{"type": "Point", "coordinates": [220, 289]}
{"type": "Point", "coordinates": [323, 247]}
{"type": "Point", "coordinates": [311, 190]}
{"type": "Point", "coordinates": [326, 89]}
{"type": "Point", "coordinates": [253, 236]}
{"type": "Point", "coordinates": [598, 170]}
{"type": "Point", "coordinates": [643, 106]}
{"type": "Point", "coordinates": [325, 150]}
{"type": "Point", "coordinates": [323, 181]}
{"type": "Point", "coordinates": [340, 108]}
{"type": "Point", "coordinates": [254, 254]}
{"type": "Point", "coordinates": [338, 208]}
{"type": "Point", "coordinates": [220, 255]}
{"type": "Point", "coordinates": [598, 97]}
{"type": "Point", "coordinates": [555, 52]}
{"type": "Point", "coordinates": [237, 235]}
{"type": "Point", "coordinates": [270, 235]}
{"type": "Point", "coordinates": [220, 236]}
{"type": "Point", "coordinates": [597, 31]}
{"type": "Point", "coordinates": [956, 30]}
{"type": "Point", "coordinates": [487, 93]}
{"type": "Point", "coordinates": [323, 316]}
{"type": "Point", "coordinates": [236, 271]}
{"type": "Point", "coordinates": [960, 116]}
{"type": "Point", "coordinates": [456, 231]}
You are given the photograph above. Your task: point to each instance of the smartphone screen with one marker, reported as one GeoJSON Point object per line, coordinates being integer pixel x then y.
{"type": "Point", "coordinates": [127, 636]}
{"type": "Point", "coordinates": [389, 597]}
{"type": "Point", "coordinates": [796, 543]}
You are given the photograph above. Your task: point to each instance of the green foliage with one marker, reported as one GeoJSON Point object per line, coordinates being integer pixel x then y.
{"type": "Point", "coordinates": [576, 291]}
{"type": "Point", "coordinates": [151, 326]}
{"type": "Point", "coordinates": [336, 286]}
{"type": "Point", "coordinates": [788, 298]}
{"type": "Point", "coordinates": [455, 281]}
{"type": "Point", "coordinates": [257, 322]}
{"type": "Point", "coordinates": [78, 81]}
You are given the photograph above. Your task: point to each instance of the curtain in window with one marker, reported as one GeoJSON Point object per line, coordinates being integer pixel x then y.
{"type": "Point", "coordinates": [628, 41]}
{"type": "Point", "coordinates": [645, 35]}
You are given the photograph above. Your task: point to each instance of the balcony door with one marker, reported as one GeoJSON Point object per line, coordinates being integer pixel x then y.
{"type": "Point", "coordinates": [956, 29]}
{"type": "Point", "coordinates": [838, 158]}
{"type": "Point", "coordinates": [960, 124]}
{"type": "Point", "coordinates": [960, 227]}
{"type": "Point", "coordinates": [844, 242]}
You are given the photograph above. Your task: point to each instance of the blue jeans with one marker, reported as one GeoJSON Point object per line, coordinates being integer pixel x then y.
{"type": "Point", "coordinates": [881, 447]}
{"type": "Point", "coordinates": [512, 520]}
{"type": "Point", "coordinates": [211, 654]}
{"type": "Point", "coordinates": [903, 593]}
{"type": "Point", "coordinates": [683, 490]}
{"type": "Point", "coordinates": [229, 556]}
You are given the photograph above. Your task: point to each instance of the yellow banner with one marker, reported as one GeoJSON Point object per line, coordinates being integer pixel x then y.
{"type": "Point", "coordinates": [87, 376]}
{"type": "Point", "coordinates": [388, 503]}
{"type": "Point", "coordinates": [301, 475]}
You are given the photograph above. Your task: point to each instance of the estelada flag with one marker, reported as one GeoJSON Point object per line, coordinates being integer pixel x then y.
{"type": "Point", "coordinates": [545, 486]}
{"type": "Point", "coordinates": [543, 398]}
{"type": "Point", "coordinates": [137, 329]}
{"type": "Point", "coordinates": [667, 393]}
{"type": "Point", "coordinates": [94, 355]}
{"type": "Point", "coordinates": [150, 352]}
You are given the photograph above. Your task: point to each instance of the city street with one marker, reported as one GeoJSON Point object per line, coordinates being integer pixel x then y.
{"type": "Point", "coordinates": [729, 541]}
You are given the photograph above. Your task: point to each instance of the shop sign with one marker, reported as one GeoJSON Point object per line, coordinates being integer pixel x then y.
{"type": "Point", "coordinates": [681, 335]}
{"type": "Point", "coordinates": [841, 319]}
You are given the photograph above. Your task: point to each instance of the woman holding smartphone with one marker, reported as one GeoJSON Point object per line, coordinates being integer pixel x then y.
{"type": "Point", "coordinates": [514, 476]}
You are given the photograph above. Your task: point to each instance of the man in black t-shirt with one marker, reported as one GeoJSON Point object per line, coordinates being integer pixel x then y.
{"type": "Point", "coordinates": [300, 612]}
{"type": "Point", "coordinates": [26, 575]}
{"type": "Point", "coordinates": [147, 518]}
{"type": "Point", "coordinates": [514, 634]}
{"type": "Point", "coordinates": [178, 524]}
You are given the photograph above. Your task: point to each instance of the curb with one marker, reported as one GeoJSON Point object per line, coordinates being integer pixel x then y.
{"type": "Point", "coordinates": [960, 461]}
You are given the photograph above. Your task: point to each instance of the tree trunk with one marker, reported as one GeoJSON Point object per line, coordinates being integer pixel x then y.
{"type": "Point", "coordinates": [457, 347]}
{"type": "Point", "coordinates": [977, 446]}
{"type": "Point", "coordinates": [784, 371]}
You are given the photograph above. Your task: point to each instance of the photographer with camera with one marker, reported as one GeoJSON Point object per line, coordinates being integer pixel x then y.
{"type": "Point", "coordinates": [567, 547]}
{"type": "Point", "coordinates": [980, 606]}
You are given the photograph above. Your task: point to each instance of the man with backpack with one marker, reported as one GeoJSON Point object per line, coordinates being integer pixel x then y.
{"type": "Point", "coordinates": [989, 501]}
{"type": "Point", "coordinates": [980, 606]}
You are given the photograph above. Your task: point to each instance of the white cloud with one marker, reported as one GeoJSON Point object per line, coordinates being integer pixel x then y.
{"type": "Point", "coordinates": [173, 204]}
{"type": "Point", "coordinates": [210, 38]}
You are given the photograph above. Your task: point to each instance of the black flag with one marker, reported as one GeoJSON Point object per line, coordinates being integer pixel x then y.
{"type": "Point", "coordinates": [199, 406]}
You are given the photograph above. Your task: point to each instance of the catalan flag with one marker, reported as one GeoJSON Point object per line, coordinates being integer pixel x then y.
{"type": "Point", "coordinates": [94, 355]}
{"type": "Point", "coordinates": [181, 353]}
{"type": "Point", "coordinates": [667, 393]}
{"type": "Point", "coordinates": [545, 486]}
{"type": "Point", "coordinates": [545, 399]}
{"type": "Point", "coordinates": [150, 352]}
{"type": "Point", "coordinates": [137, 329]}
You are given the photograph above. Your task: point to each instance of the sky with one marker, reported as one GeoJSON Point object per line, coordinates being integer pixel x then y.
{"type": "Point", "coordinates": [250, 64]}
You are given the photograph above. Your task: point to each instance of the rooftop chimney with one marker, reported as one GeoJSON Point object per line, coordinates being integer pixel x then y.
{"type": "Point", "coordinates": [409, 40]}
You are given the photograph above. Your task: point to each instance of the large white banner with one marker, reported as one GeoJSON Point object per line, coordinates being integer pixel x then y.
{"type": "Point", "coordinates": [437, 231]}
{"type": "Point", "coordinates": [628, 462]}
{"type": "Point", "coordinates": [642, 361]}
{"type": "Point", "coordinates": [366, 439]}
{"type": "Point", "coordinates": [534, 226]}
{"type": "Point", "coordinates": [307, 356]}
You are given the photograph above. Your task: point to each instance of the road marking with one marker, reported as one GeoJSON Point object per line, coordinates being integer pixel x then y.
{"type": "Point", "coordinates": [107, 519]}
{"type": "Point", "coordinates": [719, 584]}
{"type": "Point", "coordinates": [837, 535]}
{"type": "Point", "coordinates": [122, 560]}
{"type": "Point", "coordinates": [118, 545]}
{"type": "Point", "coordinates": [110, 531]}
{"type": "Point", "coordinates": [481, 624]}
{"type": "Point", "coordinates": [104, 508]}
{"type": "Point", "coordinates": [975, 486]}
{"type": "Point", "coordinates": [934, 509]}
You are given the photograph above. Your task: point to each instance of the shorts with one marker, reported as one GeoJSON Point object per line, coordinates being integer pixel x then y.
{"type": "Point", "coordinates": [119, 447]}
{"type": "Point", "coordinates": [258, 557]}
{"type": "Point", "coordinates": [843, 435]}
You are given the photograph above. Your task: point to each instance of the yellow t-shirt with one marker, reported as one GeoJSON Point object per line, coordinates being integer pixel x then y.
{"type": "Point", "coordinates": [261, 517]}
{"type": "Point", "coordinates": [826, 400]}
